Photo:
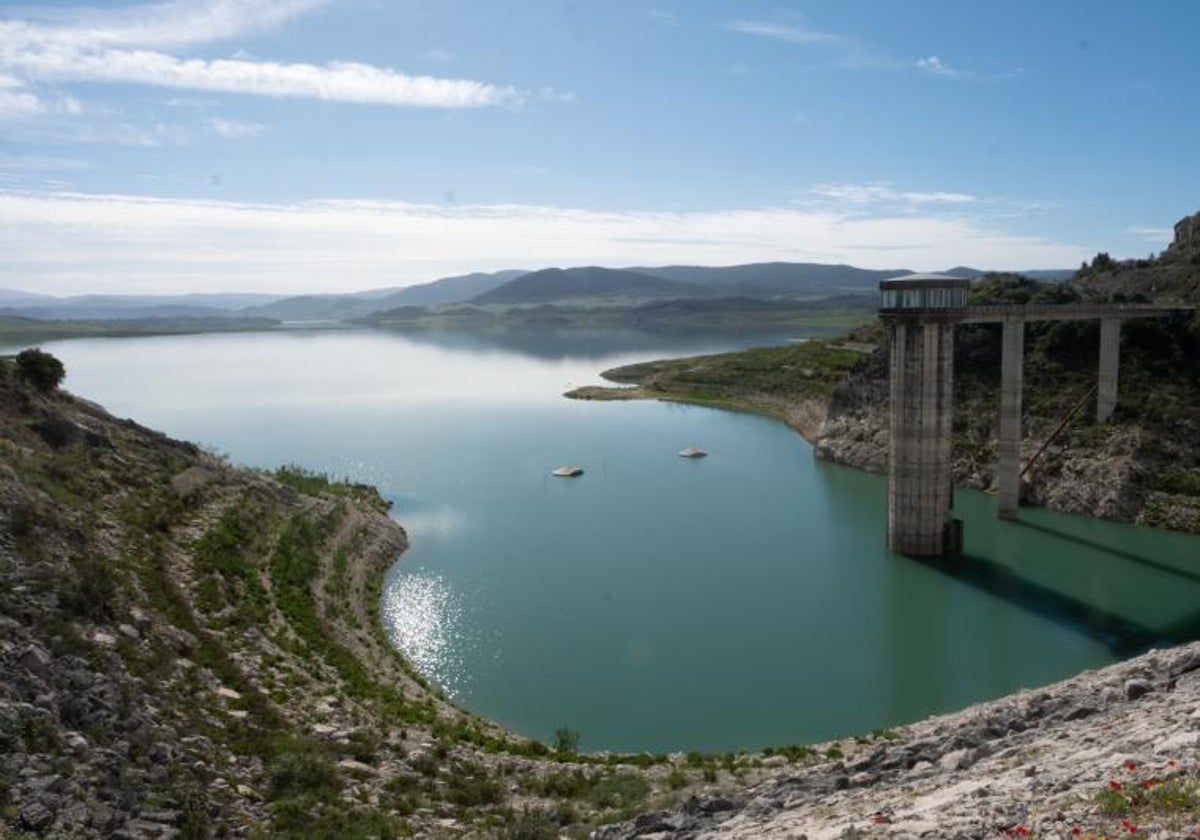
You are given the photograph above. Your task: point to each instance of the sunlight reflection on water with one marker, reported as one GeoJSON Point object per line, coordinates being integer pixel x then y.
{"type": "Point", "coordinates": [424, 618]}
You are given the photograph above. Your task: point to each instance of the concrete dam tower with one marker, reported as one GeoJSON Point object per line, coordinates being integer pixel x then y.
{"type": "Point", "coordinates": [921, 311]}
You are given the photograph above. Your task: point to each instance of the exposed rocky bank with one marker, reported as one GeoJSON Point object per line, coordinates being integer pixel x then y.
{"type": "Point", "coordinates": [1108, 753]}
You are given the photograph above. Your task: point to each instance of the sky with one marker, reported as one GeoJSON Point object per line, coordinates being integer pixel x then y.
{"type": "Point", "coordinates": [294, 146]}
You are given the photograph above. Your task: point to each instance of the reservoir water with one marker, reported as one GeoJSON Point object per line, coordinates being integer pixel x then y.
{"type": "Point", "coordinates": [656, 602]}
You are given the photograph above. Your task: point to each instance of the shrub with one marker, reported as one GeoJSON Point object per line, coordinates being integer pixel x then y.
{"type": "Point", "coordinates": [620, 790]}
{"type": "Point", "coordinates": [566, 740]}
{"type": "Point", "coordinates": [303, 772]}
{"type": "Point", "coordinates": [531, 825]}
{"type": "Point", "coordinates": [40, 369]}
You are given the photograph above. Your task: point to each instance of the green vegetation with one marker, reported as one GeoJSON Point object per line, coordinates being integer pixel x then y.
{"type": "Point", "coordinates": [566, 740]}
{"type": "Point", "coordinates": [313, 483]}
{"type": "Point", "coordinates": [773, 380]}
{"type": "Point", "coordinates": [15, 329]}
{"type": "Point", "coordinates": [39, 369]}
{"type": "Point", "coordinates": [685, 314]}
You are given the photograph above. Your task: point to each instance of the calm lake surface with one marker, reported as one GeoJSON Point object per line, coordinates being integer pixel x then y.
{"type": "Point", "coordinates": [657, 603]}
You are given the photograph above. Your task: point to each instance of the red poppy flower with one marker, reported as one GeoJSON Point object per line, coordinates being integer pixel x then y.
{"type": "Point", "coordinates": [1131, 765]}
{"type": "Point", "coordinates": [1115, 785]}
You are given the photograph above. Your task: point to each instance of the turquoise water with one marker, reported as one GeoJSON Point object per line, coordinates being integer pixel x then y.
{"type": "Point", "coordinates": [656, 603]}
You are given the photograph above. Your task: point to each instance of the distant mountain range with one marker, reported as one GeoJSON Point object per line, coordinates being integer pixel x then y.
{"type": "Point", "coordinates": [48, 307]}
{"type": "Point", "coordinates": [775, 281]}
{"type": "Point", "coordinates": [591, 283]}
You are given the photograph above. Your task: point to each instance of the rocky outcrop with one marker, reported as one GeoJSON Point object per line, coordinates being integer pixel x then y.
{"type": "Point", "coordinates": [1187, 235]}
{"type": "Point", "coordinates": [856, 427]}
{"type": "Point", "coordinates": [1107, 753]}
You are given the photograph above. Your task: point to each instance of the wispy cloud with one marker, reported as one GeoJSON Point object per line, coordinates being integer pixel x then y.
{"type": "Point", "coordinates": [882, 193]}
{"type": "Point", "coordinates": [40, 163]}
{"type": "Point", "coordinates": [784, 32]}
{"type": "Point", "coordinates": [854, 54]}
{"type": "Point", "coordinates": [664, 17]}
{"type": "Point", "coordinates": [336, 81]}
{"type": "Point", "coordinates": [233, 130]}
{"type": "Point", "coordinates": [175, 23]}
{"type": "Point", "coordinates": [439, 55]}
{"type": "Point", "coordinates": [128, 47]}
{"type": "Point", "coordinates": [71, 242]}
{"type": "Point", "coordinates": [934, 66]}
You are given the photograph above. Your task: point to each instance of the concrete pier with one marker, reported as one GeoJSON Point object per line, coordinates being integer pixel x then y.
{"type": "Point", "coordinates": [922, 310]}
{"type": "Point", "coordinates": [922, 389]}
{"type": "Point", "coordinates": [1110, 362]}
{"type": "Point", "coordinates": [1008, 441]}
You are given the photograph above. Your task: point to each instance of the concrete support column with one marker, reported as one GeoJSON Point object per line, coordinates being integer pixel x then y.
{"type": "Point", "coordinates": [922, 386]}
{"type": "Point", "coordinates": [1110, 363]}
{"type": "Point", "coordinates": [1008, 445]}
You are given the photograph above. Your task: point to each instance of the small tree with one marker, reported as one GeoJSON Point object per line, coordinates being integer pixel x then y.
{"type": "Point", "coordinates": [40, 369]}
{"type": "Point", "coordinates": [566, 740]}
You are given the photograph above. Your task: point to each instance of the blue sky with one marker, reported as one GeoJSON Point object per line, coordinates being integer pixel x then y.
{"type": "Point", "coordinates": [336, 145]}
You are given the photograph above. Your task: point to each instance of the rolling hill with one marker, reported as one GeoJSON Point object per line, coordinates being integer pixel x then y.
{"type": "Point", "coordinates": [590, 282]}
{"type": "Point", "coordinates": [778, 279]}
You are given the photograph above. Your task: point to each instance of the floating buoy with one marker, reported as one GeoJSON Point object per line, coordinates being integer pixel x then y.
{"type": "Point", "coordinates": [692, 452]}
{"type": "Point", "coordinates": [568, 472]}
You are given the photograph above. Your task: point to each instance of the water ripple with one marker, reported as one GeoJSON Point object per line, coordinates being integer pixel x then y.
{"type": "Point", "coordinates": [425, 618]}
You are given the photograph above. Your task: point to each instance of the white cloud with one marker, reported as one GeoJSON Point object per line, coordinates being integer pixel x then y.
{"type": "Point", "coordinates": [784, 32]}
{"type": "Point", "coordinates": [16, 101]}
{"type": "Point", "coordinates": [936, 67]}
{"type": "Point", "coordinates": [126, 47]}
{"type": "Point", "coordinates": [439, 55]}
{"type": "Point", "coordinates": [664, 17]}
{"type": "Point", "coordinates": [234, 130]}
{"type": "Point", "coordinates": [882, 193]}
{"type": "Point", "coordinates": [72, 243]}
{"type": "Point", "coordinates": [337, 81]}
{"type": "Point", "coordinates": [174, 23]}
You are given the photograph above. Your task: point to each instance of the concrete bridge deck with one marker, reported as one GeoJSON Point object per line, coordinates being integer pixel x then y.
{"type": "Point", "coordinates": [1001, 312]}
{"type": "Point", "coordinates": [998, 313]}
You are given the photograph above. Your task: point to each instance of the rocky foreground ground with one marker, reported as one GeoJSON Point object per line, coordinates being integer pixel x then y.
{"type": "Point", "coordinates": [1109, 753]}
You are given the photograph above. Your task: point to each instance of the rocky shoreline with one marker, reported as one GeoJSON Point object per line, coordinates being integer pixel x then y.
{"type": "Point", "coordinates": [1113, 752]}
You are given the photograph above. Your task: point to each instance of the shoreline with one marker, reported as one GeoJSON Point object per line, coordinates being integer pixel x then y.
{"type": "Point", "coordinates": [804, 428]}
